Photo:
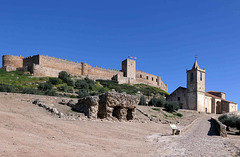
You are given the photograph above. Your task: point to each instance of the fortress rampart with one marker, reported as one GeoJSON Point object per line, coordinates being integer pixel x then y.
{"type": "Point", "coordinates": [12, 62]}
{"type": "Point", "coordinates": [150, 79]}
{"type": "Point", "coordinates": [39, 65]}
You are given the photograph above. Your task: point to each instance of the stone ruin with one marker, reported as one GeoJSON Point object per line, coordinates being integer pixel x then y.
{"type": "Point", "coordinates": [108, 105]}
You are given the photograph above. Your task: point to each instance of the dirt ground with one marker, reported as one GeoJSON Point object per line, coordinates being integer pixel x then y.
{"type": "Point", "coordinates": [29, 130]}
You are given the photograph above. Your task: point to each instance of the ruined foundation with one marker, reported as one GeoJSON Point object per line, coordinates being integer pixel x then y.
{"type": "Point", "coordinates": [108, 105]}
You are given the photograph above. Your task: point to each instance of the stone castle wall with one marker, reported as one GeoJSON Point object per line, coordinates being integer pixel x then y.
{"type": "Point", "coordinates": [102, 72]}
{"type": "Point", "coordinates": [143, 77]}
{"type": "Point", "coordinates": [51, 63]}
{"type": "Point", "coordinates": [29, 61]}
{"type": "Point", "coordinates": [75, 68]}
{"type": "Point", "coordinates": [40, 65]}
{"type": "Point", "coordinates": [12, 61]}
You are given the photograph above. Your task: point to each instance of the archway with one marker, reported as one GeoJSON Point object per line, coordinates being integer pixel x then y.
{"type": "Point", "coordinates": [218, 108]}
{"type": "Point", "coordinates": [129, 114]}
{"type": "Point", "coordinates": [117, 112]}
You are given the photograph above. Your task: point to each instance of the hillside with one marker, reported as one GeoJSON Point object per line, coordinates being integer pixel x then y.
{"type": "Point", "coordinates": [70, 86]}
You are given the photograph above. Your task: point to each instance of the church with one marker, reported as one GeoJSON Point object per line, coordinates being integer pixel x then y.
{"type": "Point", "coordinates": [195, 98]}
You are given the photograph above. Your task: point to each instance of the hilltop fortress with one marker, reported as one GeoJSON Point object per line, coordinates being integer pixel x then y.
{"type": "Point", "coordinates": [39, 65]}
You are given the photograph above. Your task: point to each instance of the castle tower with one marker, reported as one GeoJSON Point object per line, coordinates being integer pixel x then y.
{"type": "Point", "coordinates": [129, 68]}
{"type": "Point", "coordinates": [11, 63]}
{"type": "Point", "coordinates": [196, 88]}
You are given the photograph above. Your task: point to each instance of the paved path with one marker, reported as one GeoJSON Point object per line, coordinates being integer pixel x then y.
{"type": "Point", "coordinates": [201, 140]}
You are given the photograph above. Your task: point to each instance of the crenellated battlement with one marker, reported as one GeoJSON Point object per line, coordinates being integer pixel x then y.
{"type": "Point", "coordinates": [30, 57]}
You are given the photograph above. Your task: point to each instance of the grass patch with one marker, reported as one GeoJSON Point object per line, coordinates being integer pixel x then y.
{"type": "Point", "coordinates": [19, 79]}
{"type": "Point", "coordinates": [154, 116]}
{"type": "Point", "coordinates": [129, 89]}
{"type": "Point", "coordinates": [156, 109]}
{"type": "Point", "coordinates": [147, 90]}
{"type": "Point", "coordinates": [168, 116]}
{"type": "Point", "coordinates": [178, 114]}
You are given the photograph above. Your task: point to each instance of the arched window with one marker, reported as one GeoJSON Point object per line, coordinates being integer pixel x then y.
{"type": "Point", "coordinates": [147, 77]}
{"type": "Point", "coordinates": [152, 78]}
{"type": "Point", "coordinates": [140, 76]}
{"type": "Point", "coordinates": [191, 76]}
{"type": "Point", "coordinates": [200, 76]}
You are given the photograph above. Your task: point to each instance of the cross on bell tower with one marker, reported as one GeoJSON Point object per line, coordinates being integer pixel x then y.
{"type": "Point", "coordinates": [195, 87]}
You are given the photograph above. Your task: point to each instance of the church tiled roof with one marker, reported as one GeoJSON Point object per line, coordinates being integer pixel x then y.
{"type": "Point", "coordinates": [214, 96]}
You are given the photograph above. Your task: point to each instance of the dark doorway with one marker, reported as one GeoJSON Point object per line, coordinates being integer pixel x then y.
{"type": "Point", "coordinates": [117, 112]}
{"type": "Point", "coordinates": [218, 108]}
{"type": "Point", "coordinates": [129, 114]}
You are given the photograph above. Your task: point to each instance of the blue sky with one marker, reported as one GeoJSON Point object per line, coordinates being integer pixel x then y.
{"type": "Point", "coordinates": [165, 36]}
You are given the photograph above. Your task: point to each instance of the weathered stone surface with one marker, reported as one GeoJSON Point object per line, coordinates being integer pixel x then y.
{"type": "Point", "coordinates": [71, 103]}
{"type": "Point", "coordinates": [88, 105]}
{"type": "Point", "coordinates": [220, 127]}
{"type": "Point", "coordinates": [109, 105]}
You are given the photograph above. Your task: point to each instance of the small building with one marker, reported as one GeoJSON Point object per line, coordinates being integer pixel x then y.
{"type": "Point", "coordinates": [194, 96]}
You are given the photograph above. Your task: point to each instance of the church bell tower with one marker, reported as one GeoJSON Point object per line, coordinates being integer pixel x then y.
{"type": "Point", "coordinates": [196, 88]}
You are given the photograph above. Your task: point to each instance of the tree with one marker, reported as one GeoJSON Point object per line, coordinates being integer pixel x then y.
{"type": "Point", "coordinates": [82, 93]}
{"type": "Point", "coordinates": [54, 80]}
{"type": "Point", "coordinates": [158, 102]}
{"type": "Point", "coordinates": [171, 106]}
{"type": "Point", "coordinates": [45, 86]}
{"type": "Point", "coordinates": [142, 101]}
{"type": "Point", "coordinates": [81, 84]}
{"type": "Point", "coordinates": [70, 82]}
{"type": "Point", "coordinates": [90, 83]}
{"type": "Point", "coordinates": [63, 75]}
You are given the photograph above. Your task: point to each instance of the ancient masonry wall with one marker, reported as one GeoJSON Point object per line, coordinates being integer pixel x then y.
{"type": "Point", "coordinates": [51, 64]}
{"type": "Point", "coordinates": [12, 61]}
{"type": "Point", "coordinates": [102, 72]}
{"type": "Point", "coordinates": [30, 61]}
{"type": "Point", "coordinates": [143, 77]}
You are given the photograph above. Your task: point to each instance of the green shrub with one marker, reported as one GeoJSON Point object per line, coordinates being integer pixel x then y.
{"type": "Point", "coordinates": [142, 101]}
{"type": "Point", "coordinates": [94, 93]}
{"type": "Point", "coordinates": [7, 88]}
{"type": "Point", "coordinates": [62, 88]}
{"type": "Point", "coordinates": [102, 90]}
{"type": "Point", "coordinates": [70, 82]}
{"type": "Point", "coordinates": [29, 91]}
{"type": "Point", "coordinates": [223, 118]}
{"type": "Point", "coordinates": [156, 109]}
{"type": "Point", "coordinates": [171, 106]}
{"type": "Point", "coordinates": [179, 114]}
{"type": "Point", "coordinates": [63, 75]}
{"type": "Point", "coordinates": [230, 121]}
{"type": "Point", "coordinates": [81, 84]}
{"type": "Point", "coordinates": [54, 80]}
{"type": "Point", "coordinates": [45, 86]}
{"type": "Point", "coordinates": [158, 102]}
{"type": "Point", "coordinates": [51, 92]}
{"type": "Point", "coordinates": [82, 93]}
{"type": "Point", "coordinates": [73, 96]}
{"type": "Point", "coordinates": [111, 84]}
{"type": "Point", "coordinates": [69, 89]}
{"type": "Point", "coordinates": [90, 83]}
